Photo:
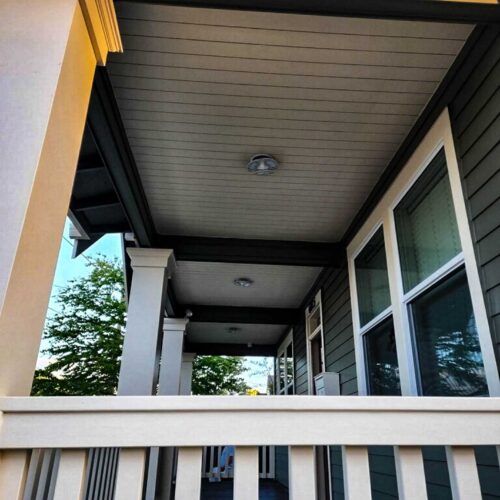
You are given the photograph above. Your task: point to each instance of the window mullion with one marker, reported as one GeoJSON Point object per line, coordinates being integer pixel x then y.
{"type": "Point", "coordinates": [404, 345]}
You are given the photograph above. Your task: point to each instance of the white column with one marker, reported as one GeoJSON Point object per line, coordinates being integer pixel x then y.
{"type": "Point", "coordinates": [49, 51]}
{"type": "Point", "coordinates": [169, 385]}
{"type": "Point", "coordinates": [186, 373]}
{"type": "Point", "coordinates": [146, 307]}
{"type": "Point", "coordinates": [174, 330]}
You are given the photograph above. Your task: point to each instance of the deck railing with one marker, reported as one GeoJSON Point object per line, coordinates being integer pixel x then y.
{"type": "Point", "coordinates": [191, 423]}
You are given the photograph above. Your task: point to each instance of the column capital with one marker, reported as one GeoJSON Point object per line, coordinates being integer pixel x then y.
{"type": "Point", "coordinates": [102, 25]}
{"type": "Point", "coordinates": [175, 324]}
{"type": "Point", "coordinates": [152, 257]}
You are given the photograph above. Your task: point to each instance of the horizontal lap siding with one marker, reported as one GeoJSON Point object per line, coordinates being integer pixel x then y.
{"type": "Point", "coordinates": [475, 116]}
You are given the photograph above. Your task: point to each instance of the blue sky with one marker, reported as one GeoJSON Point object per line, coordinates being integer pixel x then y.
{"type": "Point", "coordinates": [110, 246]}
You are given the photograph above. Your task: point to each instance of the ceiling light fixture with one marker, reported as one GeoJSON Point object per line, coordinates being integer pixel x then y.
{"type": "Point", "coordinates": [233, 329]}
{"type": "Point", "coordinates": [262, 164]}
{"type": "Point", "coordinates": [243, 282]}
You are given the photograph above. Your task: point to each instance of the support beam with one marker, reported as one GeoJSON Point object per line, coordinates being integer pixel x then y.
{"type": "Point", "coordinates": [111, 139]}
{"type": "Point", "coordinates": [422, 10]}
{"type": "Point", "coordinates": [232, 349]}
{"type": "Point", "coordinates": [246, 251]}
{"type": "Point", "coordinates": [250, 315]}
{"type": "Point", "coordinates": [49, 51]}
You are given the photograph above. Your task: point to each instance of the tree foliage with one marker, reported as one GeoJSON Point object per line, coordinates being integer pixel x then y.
{"type": "Point", "coordinates": [85, 336]}
{"type": "Point", "coordinates": [218, 375]}
{"type": "Point", "coordinates": [84, 341]}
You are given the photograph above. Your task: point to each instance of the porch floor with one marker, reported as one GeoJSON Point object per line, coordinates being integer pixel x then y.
{"type": "Point", "coordinates": [269, 490]}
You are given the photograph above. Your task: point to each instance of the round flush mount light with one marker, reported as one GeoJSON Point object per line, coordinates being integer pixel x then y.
{"type": "Point", "coordinates": [262, 164]}
{"type": "Point", "coordinates": [243, 282]}
{"type": "Point", "coordinates": [233, 329]}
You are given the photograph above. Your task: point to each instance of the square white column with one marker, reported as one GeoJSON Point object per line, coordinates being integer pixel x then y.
{"type": "Point", "coordinates": [139, 365]}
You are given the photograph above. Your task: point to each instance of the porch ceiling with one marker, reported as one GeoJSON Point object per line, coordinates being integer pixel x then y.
{"type": "Point", "coordinates": [201, 90]}
{"type": "Point", "coordinates": [211, 283]}
{"type": "Point", "coordinates": [220, 333]}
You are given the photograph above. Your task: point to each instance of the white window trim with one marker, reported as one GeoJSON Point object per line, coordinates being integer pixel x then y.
{"type": "Point", "coordinates": [288, 340]}
{"type": "Point", "coordinates": [439, 136]}
{"type": "Point", "coordinates": [310, 336]}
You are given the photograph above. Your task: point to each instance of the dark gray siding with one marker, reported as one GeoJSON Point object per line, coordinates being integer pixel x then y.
{"type": "Point", "coordinates": [475, 115]}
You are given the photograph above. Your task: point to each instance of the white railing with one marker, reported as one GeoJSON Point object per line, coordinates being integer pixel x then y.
{"type": "Point", "coordinates": [211, 460]}
{"type": "Point", "coordinates": [191, 423]}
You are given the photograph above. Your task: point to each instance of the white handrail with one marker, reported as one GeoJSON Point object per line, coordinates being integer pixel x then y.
{"type": "Point", "coordinates": [282, 420]}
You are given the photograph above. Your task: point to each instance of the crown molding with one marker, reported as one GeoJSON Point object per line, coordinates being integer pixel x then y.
{"type": "Point", "coordinates": [102, 24]}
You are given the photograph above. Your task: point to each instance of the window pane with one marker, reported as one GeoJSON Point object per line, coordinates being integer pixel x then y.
{"type": "Point", "coordinates": [448, 349]}
{"type": "Point", "coordinates": [371, 279]}
{"type": "Point", "coordinates": [426, 225]}
{"type": "Point", "coordinates": [382, 361]}
{"type": "Point", "coordinates": [281, 372]}
{"type": "Point", "coordinates": [289, 368]}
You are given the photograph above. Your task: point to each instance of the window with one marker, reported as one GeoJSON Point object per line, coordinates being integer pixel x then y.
{"type": "Point", "coordinates": [437, 295]}
{"type": "Point", "coordinates": [449, 355]}
{"type": "Point", "coordinates": [375, 317]}
{"type": "Point", "coordinates": [314, 341]}
{"type": "Point", "coordinates": [372, 281]}
{"type": "Point", "coordinates": [285, 380]}
{"type": "Point", "coordinates": [382, 361]}
{"type": "Point", "coordinates": [426, 225]}
{"type": "Point", "coordinates": [418, 312]}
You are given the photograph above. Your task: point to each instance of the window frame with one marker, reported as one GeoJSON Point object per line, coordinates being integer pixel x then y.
{"type": "Point", "coordinates": [439, 137]}
{"type": "Point", "coordinates": [310, 336]}
{"type": "Point", "coordinates": [282, 351]}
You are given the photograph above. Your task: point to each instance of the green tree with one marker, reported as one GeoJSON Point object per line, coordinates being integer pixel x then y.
{"type": "Point", "coordinates": [85, 336]}
{"type": "Point", "coordinates": [218, 375]}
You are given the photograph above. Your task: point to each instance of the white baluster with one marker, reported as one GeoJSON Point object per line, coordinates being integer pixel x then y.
{"type": "Point", "coordinates": [410, 473]}
{"type": "Point", "coordinates": [464, 478]}
{"type": "Point", "coordinates": [13, 472]}
{"type": "Point", "coordinates": [130, 474]}
{"type": "Point", "coordinates": [71, 475]}
{"type": "Point", "coordinates": [188, 482]}
{"type": "Point", "coordinates": [356, 473]}
{"type": "Point", "coordinates": [246, 473]}
{"type": "Point", "coordinates": [302, 473]}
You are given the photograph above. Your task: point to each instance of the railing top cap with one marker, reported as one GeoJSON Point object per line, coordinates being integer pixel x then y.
{"type": "Point", "coordinates": [245, 403]}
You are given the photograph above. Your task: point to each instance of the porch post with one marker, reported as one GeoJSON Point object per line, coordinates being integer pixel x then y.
{"type": "Point", "coordinates": [170, 385]}
{"type": "Point", "coordinates": [139, 366]}
{"type": "Point", "coordinates": [186, 373]}
{"type": "Point", "coordinates": [49, 51]}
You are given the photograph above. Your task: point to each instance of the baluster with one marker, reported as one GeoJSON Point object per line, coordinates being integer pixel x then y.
{"type": "Point", "coordinates": [464, 478]}
{"type": "Point", "coordinates": [70, 482]}
{"type": "Point", "coordinates": [410, 473]}
{"type": "Point", "coordinates": [302, 473]}
{"type": "Point", "coordinates": [188, 482]}
{"type": "Point", "coordinates": [130, 474]}
{"type": "Point", "coordinates": [246, 473]}
{"type": "Point", "coordinates": [13, 471]}
{"type": "Point", "coordinates": [212, 460]}
{"type": "Point", "coordinates": [356, 473]}
{"type": "Point", "coordinates": [219, 472]}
